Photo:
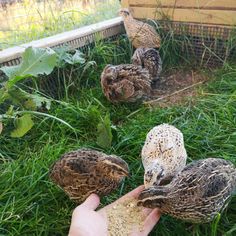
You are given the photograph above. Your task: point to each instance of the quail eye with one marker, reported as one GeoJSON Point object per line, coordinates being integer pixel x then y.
{"type": "Point", "coordinates": [109, 80]}
{"type": "Point", "coordinates": [160, 175]}
{"type": "Point", "coordinates": [149, 173]}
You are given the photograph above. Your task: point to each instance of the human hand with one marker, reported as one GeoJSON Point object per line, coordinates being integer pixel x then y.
{"type": "Point", "coordinates": [88, 222]}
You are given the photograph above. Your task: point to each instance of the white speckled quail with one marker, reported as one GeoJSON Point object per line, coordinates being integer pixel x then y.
{"type": "Point", "coordinates": [197, 194]}
{"type": "Point", "coordinates": [85, 171]}
{"type": "Point", "coordinates": [163, 154]}
{"type": "Point", "coordinates": [125, 83]}
{"type": "Point", "coordinates": [139, 33]}
{"type": "Point", "coordinates": [148, 58]}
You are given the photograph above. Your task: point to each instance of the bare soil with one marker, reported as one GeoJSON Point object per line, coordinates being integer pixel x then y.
{"type": "Point", "coordinates": [175, 87]}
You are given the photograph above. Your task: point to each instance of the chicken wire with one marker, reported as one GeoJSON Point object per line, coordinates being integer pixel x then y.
{"type": "Point", "coordinates": [208, 45]}
{"type": "Point", "coordinates": [22, 21]}
{"type": "Point", "coordinates": [54, 85]}
{"type": "Point", "coordinates": [83, 39]}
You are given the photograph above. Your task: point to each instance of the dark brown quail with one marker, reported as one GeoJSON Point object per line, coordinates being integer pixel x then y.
{"type": "Point", "coordinates": [148, 58]}
{"type": "Point", "coordinates": [197, 194]}
{"type": "Point", "coordinates": [125, 83]}
{"type": "Point", "coordinates": [86, 171]}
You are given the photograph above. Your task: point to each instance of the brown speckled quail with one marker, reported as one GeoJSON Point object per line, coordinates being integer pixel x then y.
{"type": "Point", "coordinates": [125, 83]}
{"type": "Point", "coordinates": [139, 33]}
{"type": "Point", "coordinates": [148, 58]}
{"type": "Point", "coordinates": [85, 171]}
{"type": "Point", "coordinates": [197, 194]}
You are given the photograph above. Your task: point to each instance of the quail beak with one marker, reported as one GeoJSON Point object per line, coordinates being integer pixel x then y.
{"type": "Point", "coordinates": [139, 203]}
{"type": "Point", "coordinates": [126, 173]}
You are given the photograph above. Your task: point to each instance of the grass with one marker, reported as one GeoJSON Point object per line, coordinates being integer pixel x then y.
{"type": "Point", "coordinates": [31, 20]}
{"type": "Point", "coordinates": [30, 204]}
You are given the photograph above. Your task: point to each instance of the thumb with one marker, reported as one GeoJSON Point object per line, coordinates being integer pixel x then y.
{"type": "Point", "coordinates": [92, 202]}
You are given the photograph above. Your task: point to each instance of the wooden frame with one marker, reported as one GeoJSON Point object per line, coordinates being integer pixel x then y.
{"type": "Point", "coordinates": [216, 12]}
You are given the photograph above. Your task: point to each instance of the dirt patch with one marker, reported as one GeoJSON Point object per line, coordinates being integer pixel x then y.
{"type": "Point", "coordinates": [123, 217]}
{"type": "Point", "coordinates": [175, 87]}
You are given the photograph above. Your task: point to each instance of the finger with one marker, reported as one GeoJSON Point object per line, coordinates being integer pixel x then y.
{"type": "Point", "coordinates": [146, 211]}
{"type": "Point", "coordinates": [91, 203]}
{"type": "Point", "coordinates": [134, 193]}
{"type": "Point", "coordinates": [151, 221]}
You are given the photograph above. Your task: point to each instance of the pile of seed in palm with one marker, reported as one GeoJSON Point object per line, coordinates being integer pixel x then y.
{"type": "Point", "coordinates": [124, 217]}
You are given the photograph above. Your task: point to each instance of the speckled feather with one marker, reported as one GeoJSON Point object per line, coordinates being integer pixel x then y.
{"type": "Point", "coordinates": [85, 171]}
{"type": "Point", "coordinates": [125, 82]}
{"type": "Point", "coordinates": [139, 33]}
{"type": "Point", "coordinates": [197, 193]}
{"type": "Point", "coordinates": [148, 58]}
{"type": "Point", "coordinates": [163, 148]}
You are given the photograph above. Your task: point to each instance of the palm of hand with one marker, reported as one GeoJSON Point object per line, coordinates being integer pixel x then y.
{"type": "Point", "coordinates": [87, 221]}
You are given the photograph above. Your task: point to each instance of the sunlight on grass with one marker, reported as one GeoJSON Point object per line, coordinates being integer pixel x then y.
{"type": "Point", "coordinates": [30, 20]}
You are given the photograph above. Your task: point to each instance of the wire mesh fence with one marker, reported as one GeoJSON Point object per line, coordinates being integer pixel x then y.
{"type": "Point", "coordinates": [206, 45]}
{"type": "Point", "coordinates": [22, 21]}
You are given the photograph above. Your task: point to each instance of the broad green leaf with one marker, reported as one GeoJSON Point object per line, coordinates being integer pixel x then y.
{"type": "Point", "coordinates": [35, 61]}
{"type": "Point", "coordinates": [23, 125]}
{"type": "Point", "coordinates": [35, 101]}
{"type": "Point", "coordinates": [1, 127]}
{"type": "Point", "coordinates": [104, 134]}
{"type": "Point", "coordinates": [17, 96]}
{"type": "Point", "coordinates": [28, 100]}
{"type": "Point", "coordinates": [65, 57]}
{"type": "Point", "coordinates": [10, 71]}
{"type": "Point", "coordinates": [77, 58]}
{"type": "Point", "coordinates": [62, 53]}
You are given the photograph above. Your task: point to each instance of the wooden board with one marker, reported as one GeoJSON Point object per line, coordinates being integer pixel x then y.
{"type": "Point", "coordinates": [125, 3]}
{"type": "Point", "coordinates": [216, 12]}
{"type": "Point", "coordinates": [206, 4]}
{"type": "Point", "coordinates": [220, 17]}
